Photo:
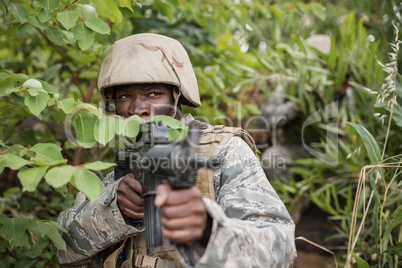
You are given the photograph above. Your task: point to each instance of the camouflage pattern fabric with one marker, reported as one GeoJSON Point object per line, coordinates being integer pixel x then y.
{"type": "Point", "coordinates": [251, 226]}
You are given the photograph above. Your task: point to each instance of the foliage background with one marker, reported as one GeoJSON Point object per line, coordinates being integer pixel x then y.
{"type": "Point", "coordinates": [241, 51]}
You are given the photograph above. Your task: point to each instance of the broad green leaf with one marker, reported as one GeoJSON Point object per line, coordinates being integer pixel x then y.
{"type": "Point", "coordinates": [88, 107]}
{"type": "Point", "coordinates": [48, 6]}
{"type": "Point", "coordinates": [84, 127]}
{"type": "Point", "coordinates": [370, 143]}
{"type": "Point", "coordinates": [66, 105]}
{"type": "Point", "coordinates": [33, 83]}
{"type": "Point", "coordinates": [14, 162]}
{"type": "Point", "coordinates": [59, 176]}
{"type": "Point", "coordinates": [120, 126]}
{"type": "Point", "coordinates": [55, 224]}
{"type": "Point", "coordinates": [39, 228]}
{"type": "Point", "coordinates": [4, 75]}
{"type": "Point", "coordinates": [174, 134]}
{"type": "Point", "coordinates": [30, 177]}
{"type": "Point", "coordinates": [318, 10]}
{"type": "Point", "coordinates": [48, 88]}
{"type": "Point", "coordinates": [88, 183]}
{"type": "Point", "coordinates": [55, 35]}
{"type": "Point", "coordinates": [108, 9]}
{"type": "Point", "coordinates": [133, 126]}
{"type": "Point", "coordinates": [43, 146]}
{"type": "Point", "coordinates": [20, 11]}
{"type": "Point", "coordinates": [104, 129]}
{"type": "Point", "coordinates": [87, 12]}
{"type": "Point", "coordinates": [13, 229]}
{"type": "Point", "coordinates": [360, 262]}
{"type": "Point", "coordinates": [168, 121]}
{"type": "Point", "coordinates": [98, 165]}
{"type": "Point", "coordinates": [55, 237]}
{"type": "Point", "coordinates": [36, 104]}
{"type": "Point", "coordinates": [36, 23]}
{"type": "Point", "coordinates": [5, 85]}
{"type": "Point", "coordinates": [68, 18]}
{"type": "Point", "coordinates": [84, 35]}
{"type": "Point", "coordinates": [49, 156]}
{"type": "Point", "coordinates": [98, 25]}
{"type": "Point", "coordinates": [127, 4]}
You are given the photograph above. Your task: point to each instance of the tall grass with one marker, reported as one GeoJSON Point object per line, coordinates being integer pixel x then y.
{"type": "Point", "coordinates": [383, 177]}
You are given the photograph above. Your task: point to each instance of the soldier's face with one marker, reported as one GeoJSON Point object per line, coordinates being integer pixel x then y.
{"type": "Point", "coordinates": [145, 100]}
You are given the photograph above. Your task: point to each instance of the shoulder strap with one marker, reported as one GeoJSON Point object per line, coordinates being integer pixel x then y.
{"type": "Point", "coordinates": [212, 140]}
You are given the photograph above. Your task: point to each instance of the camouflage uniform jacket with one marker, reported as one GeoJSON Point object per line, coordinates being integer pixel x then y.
{"type": "Point", "coordinates": [251, 226]}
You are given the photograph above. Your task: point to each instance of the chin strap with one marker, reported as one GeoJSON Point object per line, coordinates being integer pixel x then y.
{"type": "Point", "coordinates": [176, 96]}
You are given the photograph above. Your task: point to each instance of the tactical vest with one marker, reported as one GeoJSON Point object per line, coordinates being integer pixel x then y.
{"type": "Point", "coordinates": [212, 141]}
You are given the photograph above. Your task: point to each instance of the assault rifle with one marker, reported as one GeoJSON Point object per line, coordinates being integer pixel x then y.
{"type": "Point", "coordinates": [153, 159]}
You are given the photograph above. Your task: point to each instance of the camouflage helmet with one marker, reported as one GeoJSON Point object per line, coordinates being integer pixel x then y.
{"type": "Point", "coordinates": [149, 58]}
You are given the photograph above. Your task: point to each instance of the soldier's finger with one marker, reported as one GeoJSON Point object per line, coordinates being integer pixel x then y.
{"type": "Point", "coordinates": [183, 196]}
{"type": "Point", "coordinates": [195, 223]}
{"type": "Point", "coordinates": [162, 192]}
{"type": "Point", "coordinates": [183, 236]}
{"type": "Point", "coordinates": [195, 207]}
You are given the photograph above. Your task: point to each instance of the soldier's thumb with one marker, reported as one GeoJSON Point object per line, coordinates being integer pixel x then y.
{"type": "Point", "coordinates": [161, 194]}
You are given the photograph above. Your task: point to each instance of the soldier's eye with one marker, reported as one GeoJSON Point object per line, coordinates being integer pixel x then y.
{"type": "Point", "coordinates": [154, 94]}
{"type": "Point", "coordinates": [125, 96]}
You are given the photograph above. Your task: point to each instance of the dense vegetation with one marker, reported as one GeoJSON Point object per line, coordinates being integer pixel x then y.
{"type": "Point", "coordinates": [53, 134]}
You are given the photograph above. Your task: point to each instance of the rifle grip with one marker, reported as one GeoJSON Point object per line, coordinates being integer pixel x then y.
{"type": "Point", "coordinates": [152, 221]}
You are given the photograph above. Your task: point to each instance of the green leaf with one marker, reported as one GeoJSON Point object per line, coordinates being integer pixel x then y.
{"type": "Point", "coordinates": [56, 238]}
{"type": "Point", "coordinates": [38, 228]}
{"type": "Point", "coordinates": [55, 35]}
{"type": "Point", "coordinates": [104, 129]}
{"type": "Point", "coordinates": [168, 121]}
{"type": "Point", "coordinates": [127, 4]}
{"type": "Point", "coordinates": [30, 177]}
{"type": "Point", "coordinates": [36, 104]}
{"type": "Point", "coordinates": [133, 126]}
{"type": "Point", "coordinates": [13, 230]}
{"type": "Point", "coordinates": [14, 162]}
{"type": "Point", "coordinates": [33, 83]}
{"type": "Point", "coordinates": [20, 11]}
{"type": "Point", "coordinates": [68, 18]}
{"type": "Point", "coordinates": [84, 35]}
{"type": "Point", "coordinates": [395, 250]}
{"type": "Point", "coordinates": [48, 6]}
{"type": "Point", "coordinates": [36, 23]}
{"type": "Point", "coordinates": [48, 156]}
{"type": "Point", "coordinates": [360, 262]}
{"type": "Point", "coordinates": [120, 125]}
{"type": "Point", "coordinates": [396, 220]}
{"type": "Point", "coordinates": [98, 25]}
{"type": "Point", "coordinates": [5, 85]}
{"type": "Point", "coordinates": [98, 165]}
{"type": "Point", "coordinates": [318, 10]}
{"type": "Point", "coordinates": [43, 146]}
{"type": "Point", "coordinates": [66, 105]}
{"type": "Point", "coordinates": [48, 88]}
{"type": "Point", "coordinates": [370, 143]}
{"type": "Point", "coordinates": [84, 127]}
{"type": "Point", "coordinates": [87, 12]}
{"type": "Point", "coordinates": [108, 9]}
{"type": "Point", "coordinates": [59, 176]}
{"type": "Point", "coordinates": [88, 183]}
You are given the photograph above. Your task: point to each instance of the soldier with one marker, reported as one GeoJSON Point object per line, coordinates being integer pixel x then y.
{"type": "Point", "coordinates": [231, 218]}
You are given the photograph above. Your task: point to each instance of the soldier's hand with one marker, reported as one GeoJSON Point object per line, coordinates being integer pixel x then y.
{"type": "Point", "coordinates": [185, 219]}
{"type": "Point", "coordinates": [129, 200]}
